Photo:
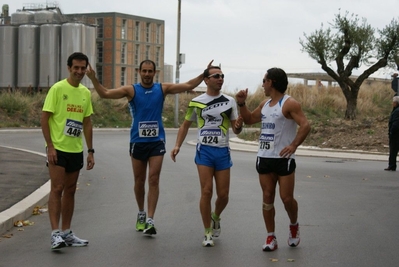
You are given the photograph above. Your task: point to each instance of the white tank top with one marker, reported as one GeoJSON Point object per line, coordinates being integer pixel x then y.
{"type": "Point", "coordinates": [277, 131]}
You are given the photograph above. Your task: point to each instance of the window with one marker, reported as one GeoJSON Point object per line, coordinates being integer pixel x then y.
{"type": "Point", "coordinates": [99, 73]}
{"type": "Point", "coordinates": [158, 35]}
{"type": "Point", "coordinates": [100, 28]}
{"type": "Point", "coordinates": [123, 53]}
{"type": "Point", "coordinates": [157, 56]}
{"type": "Point", "coordinates": [147, 33]}
{"type": "Point", "coordinates": [123, 30]}
{"type": "Point", "coordinates": [137, 55]}
{"type": "Point", "coordinates": [123, 76]}
{"type": "Point", "coordinates": [100, 50]}
{"type": "Point", "coordinates": [136, 77]}
{"type": "Point", "coordinates": [147, 52]}
{"type": "Point", "coordinates": [137, 31]}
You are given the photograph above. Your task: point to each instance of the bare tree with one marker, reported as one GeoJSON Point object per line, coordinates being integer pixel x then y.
{"type": "Point", "coordinates": [352, 44]}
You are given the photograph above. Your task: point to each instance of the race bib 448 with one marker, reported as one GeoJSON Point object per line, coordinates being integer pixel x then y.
{"type": "Point", "coordinates": [73, 128]}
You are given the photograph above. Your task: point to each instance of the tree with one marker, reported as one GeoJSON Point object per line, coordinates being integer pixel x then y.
{"type": "Point", "coordinates": [352, 44]}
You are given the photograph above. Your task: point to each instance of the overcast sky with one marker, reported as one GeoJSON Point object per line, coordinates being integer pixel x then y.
{"type": "Point", "coordinates": [245, 37]}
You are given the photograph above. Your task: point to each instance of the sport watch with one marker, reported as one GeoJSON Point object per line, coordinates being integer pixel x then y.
{"type": "Point", "coordinates": [90, 150]}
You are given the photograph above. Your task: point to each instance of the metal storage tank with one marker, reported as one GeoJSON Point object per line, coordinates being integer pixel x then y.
{"type": "Point", "coordinates": [28, 51]}
{"type": "Point", "coordinates": [8, 56]}
{"type": "Point", "coordinates": [89, 48]}
{"type": "Point", "coordinates": [45, 16]}
{"type": "Point", "coordinates": [71, 41]}
{"type": "Point", "coordinates": [49, 62]}
{"type": "Point", "coordinates": [21, 17]}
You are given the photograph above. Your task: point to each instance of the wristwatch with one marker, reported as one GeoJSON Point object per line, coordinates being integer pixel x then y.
{"type": "Point", "coordinates": [90, 150]}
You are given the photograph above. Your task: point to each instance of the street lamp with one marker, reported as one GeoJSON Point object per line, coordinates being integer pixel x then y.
{"type": "Point", "coordinates": [178, 62]}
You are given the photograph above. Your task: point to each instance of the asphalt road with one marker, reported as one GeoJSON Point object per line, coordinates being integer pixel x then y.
{"type": "Point", "coordinates": [347, 213]}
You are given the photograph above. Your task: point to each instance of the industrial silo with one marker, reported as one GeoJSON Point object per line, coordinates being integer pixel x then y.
{"type": "Point", "coordinates": [45, 16]}
{"type": "Point", "coordinates": [8, 56]}
{"type": "Point", "coordinates": [89, 48]}
{"type": "Point", "coordinates": [21, 17]}
{"type": "Point", "coordinates": [28, 51]}
{"type": "Point", "coordinates": [71, 41]}
{"type": "Point", "coordinates": [49, 62]}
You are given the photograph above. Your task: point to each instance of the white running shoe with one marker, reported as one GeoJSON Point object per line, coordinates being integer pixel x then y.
{"type": "Point", "coordinates": [57, 241]}
{"type": "Point", "coordinates": [208, 242]}
{"type": "Point", "coordinates": [270, 244]}
{"type": "Point", "coordinates": [215, 226]}
{"type": "Point", "coordinates": [293, 239]}
{"type": "Point", "coordinates": [73, 241]}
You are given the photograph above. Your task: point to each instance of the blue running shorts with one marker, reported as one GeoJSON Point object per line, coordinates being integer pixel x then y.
{"type": "Point", "coordinates": [215, 157]}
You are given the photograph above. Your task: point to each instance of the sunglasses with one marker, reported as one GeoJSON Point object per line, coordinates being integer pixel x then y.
{"type": "Point", "coordinates": [216, 76]}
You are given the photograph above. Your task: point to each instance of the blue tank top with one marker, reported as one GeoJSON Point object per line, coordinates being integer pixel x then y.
{"type": "Point", "coordinates": [146, 110]}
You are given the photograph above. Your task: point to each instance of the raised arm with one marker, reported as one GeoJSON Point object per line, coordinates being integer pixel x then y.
{"type": "Point", "coordinates": [124, 91]}
{"type": "Point", "coordinates": [175, 88]}
{"type": "Point", "coordinates": [247, 116]}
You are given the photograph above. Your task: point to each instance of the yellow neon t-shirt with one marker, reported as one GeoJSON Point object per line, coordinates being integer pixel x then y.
{"type": "Point", "coordinates": [69, 105]}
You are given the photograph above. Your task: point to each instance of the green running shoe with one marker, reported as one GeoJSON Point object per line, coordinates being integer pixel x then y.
{"type": "Point", "coordinates": [140, 224]}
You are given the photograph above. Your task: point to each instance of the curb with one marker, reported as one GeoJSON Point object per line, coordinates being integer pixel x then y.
{"type": "Point", "coordinates": [23, 209]}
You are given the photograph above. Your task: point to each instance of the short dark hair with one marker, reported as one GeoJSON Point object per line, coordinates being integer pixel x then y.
{"type": "Point", "coordinates": [147, 61]}
{"type": "Point", "coordinates": [279, 79]}
{"type": "Point", "coordinates": [206, 71]}
{"type": "Point", "coordinates": [78, 56]}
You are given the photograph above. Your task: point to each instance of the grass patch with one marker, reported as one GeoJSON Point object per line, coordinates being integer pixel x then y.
{"type": "Point", "coordinates": [319, 104]}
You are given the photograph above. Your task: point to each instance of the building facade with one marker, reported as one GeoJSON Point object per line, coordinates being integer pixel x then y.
{"type": "Point", "coordinates": [122, 42]}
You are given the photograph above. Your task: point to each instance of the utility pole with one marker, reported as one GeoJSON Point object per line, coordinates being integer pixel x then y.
{"type": "Point", "coordinates": [177, 64]}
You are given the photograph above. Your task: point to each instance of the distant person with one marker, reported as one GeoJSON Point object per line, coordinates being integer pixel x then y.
{"type": "Point", "coordinates": [395, 83]}
{"type": "Point", "coordinates": [66, 116]}
{"type": "Point", "coordinates": [147, 134]}
{"type": "Point", "coordinates": [214, 112]}
{"type": "Point", "coordinates": [278, 141]}
{"type": "Point", "coordinates": [393, 134]}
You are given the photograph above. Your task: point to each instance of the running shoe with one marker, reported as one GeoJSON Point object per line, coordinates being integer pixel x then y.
{"type": "Point", "coordinates": [293, 239]}
{"type": "Point", "coordinates": [57, 241]}
{"type": "Point", "coordinates": [271, 243]}
{"type": "Point", "coordinates": [150, 228]}
{"type": "Point", "coordinates": [216, 225]}
{"type": "Point", "coordinates": [140, 224]}
{"type": "Point", "coordinates": [208, 242]}
{"type": "Point", "coordinates": [73, 241]}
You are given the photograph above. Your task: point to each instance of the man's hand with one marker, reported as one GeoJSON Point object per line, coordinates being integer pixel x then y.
{"type": "Point", "coordinates": [210, 64]}
{"type": "Point", "coordinates": [239, 122]}
{"type": "Point", "coordinates": [90, 161]}
{"type": "Point", "coordinates": [241, 96]}
{"type": "Point", "coordinates": [90, 72]}
{"type": "Point", "coordinates": [174, 153]}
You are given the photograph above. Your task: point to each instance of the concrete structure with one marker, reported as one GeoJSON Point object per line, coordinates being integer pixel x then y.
{"type": "Point", "coordinates": [168, 73]}
{"type": "Point", "coordinates": [319, 77]}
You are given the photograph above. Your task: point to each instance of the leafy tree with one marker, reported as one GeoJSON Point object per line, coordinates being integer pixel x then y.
{"type": "Point", "coordinates": [352, 44]}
